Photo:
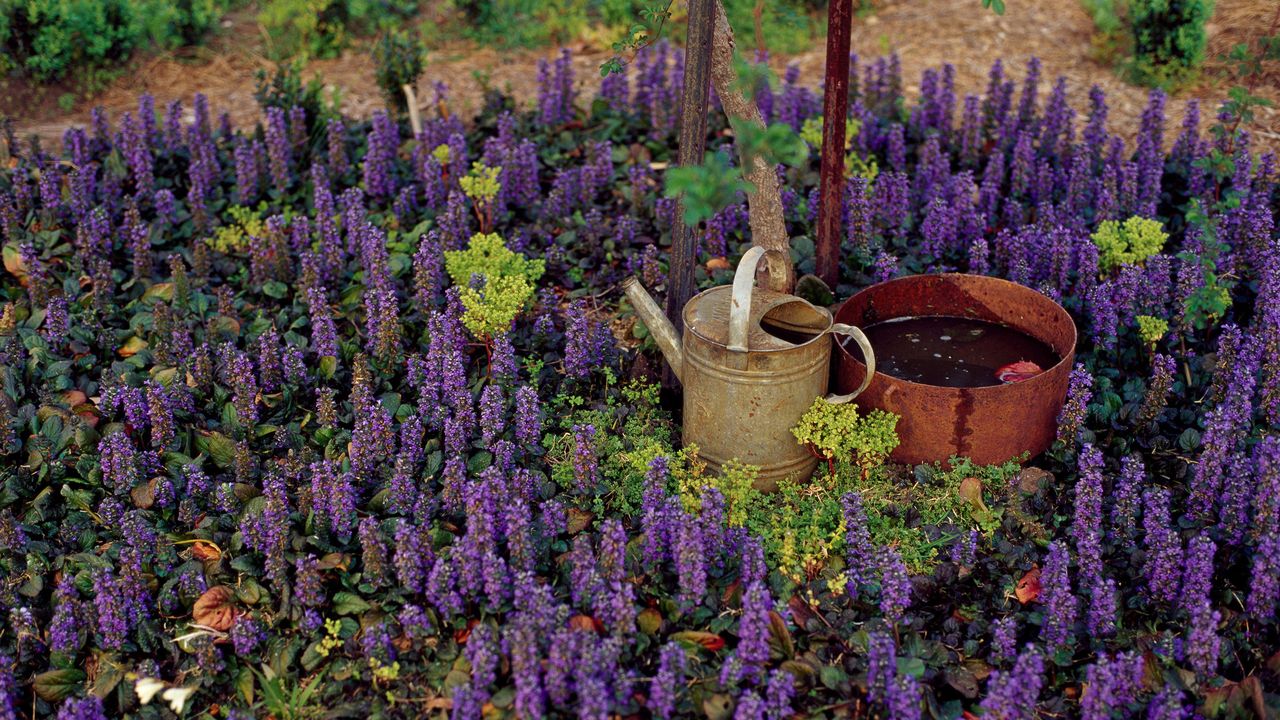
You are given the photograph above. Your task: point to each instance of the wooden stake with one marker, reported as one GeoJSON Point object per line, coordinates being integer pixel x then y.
{"type": "Point", "coordinates": [835, 110]}
{"type": "Point", "coordinates": [693, 145]}
{"type": "Point", "coordinates": [415, 119]}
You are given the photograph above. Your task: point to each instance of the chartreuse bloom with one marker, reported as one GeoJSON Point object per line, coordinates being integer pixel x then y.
{"type": "Point", "coordinates": [854, 164]}
{"type": "Point", "coordinates": [481, 184]}
{"type": "Point", "coordinates": [1152, 329]}
{"type": "Point", "coordinates": [836, 432]}
{"type": "Point", "coordinates": [1130, 243]}
{"type": "Point", "coordinates": [506, 282]}
{"type": "Point", "coordinates": [246, 223]}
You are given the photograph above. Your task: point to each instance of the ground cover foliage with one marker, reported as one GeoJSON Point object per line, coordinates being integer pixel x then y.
{"type": "Point", "coordinates": [319, 419]}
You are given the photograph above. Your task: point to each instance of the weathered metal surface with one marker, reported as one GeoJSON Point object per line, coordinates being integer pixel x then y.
{"type": "Point", "coordinates": [987, 424]}
{"type": "Point", "coordinates": [742, 404]}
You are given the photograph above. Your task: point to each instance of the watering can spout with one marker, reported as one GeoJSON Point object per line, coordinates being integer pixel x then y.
{"type": "Point", "coordinates": [659, 327]}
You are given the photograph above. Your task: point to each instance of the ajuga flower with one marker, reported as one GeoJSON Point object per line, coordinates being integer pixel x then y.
{"type": "Point", "coordinates": [1203, 644]}
{"type": "Point", "coordinates": [1111, 684]}
{"type": "Point", "coordinates": [1163, 547]}
{"type": "Point", "coordinates": [895, 586]}
{"type": "Point", "coordinates": [1071, 418]}
{"type": "Point", "coordinates": [859, 550]}
{"type": "Point", "coordinates": [882, 665]}
{"type": "Point", "coordinates": [1060, 603]}
{"type": "Point", "coordinates": [585, 461]}
{"type": "Point", "coordinates": [663, 691]}
{"type": "Point", "coordinates": [119, 461]}
{"type": "Point", "coordinates": [86, 708]}
{"type": "Point", "coordinates": [1004, 638]}
{"type": "Point", "coordinates": [555, 90]}
{"type": "Point", "coordinates": [690, 560]}
{"type": "Point", "coordinates": [1012, 695]}
{"type": "Point", "coordinates": [267, 530]}
{"type": "Point", "coordinates": [279, 155]}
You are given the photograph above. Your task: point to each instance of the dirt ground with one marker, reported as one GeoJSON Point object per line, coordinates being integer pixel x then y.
{"type": "Point", "coordinates": [925, 33]}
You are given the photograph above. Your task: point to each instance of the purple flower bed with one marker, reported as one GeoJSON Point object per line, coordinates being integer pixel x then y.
{"type": "Point", "coordinates": [255, 448]}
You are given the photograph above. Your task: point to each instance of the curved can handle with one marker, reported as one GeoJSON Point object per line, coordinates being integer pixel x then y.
{"type": "Point", "coordinates": [867, 353]}
{"type": "Point", "coordinates": [744, 280]}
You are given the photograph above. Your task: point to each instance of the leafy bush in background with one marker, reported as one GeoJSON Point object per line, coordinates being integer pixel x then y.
{"type": "Point", "coordinates": [48, 38]}
{"type": "Point", "coordinates": [322, 28]}
{"type": "Point", "coordinates": [1155, 42]}
{"type": "Point", "coordinates": [397, 58]}
{"type": "Point", "coordinates": [1168, 38]}
{"type": "Point", "coordinates": [786, 25]}
{"type": "Point", "coordinates": [182, 22]}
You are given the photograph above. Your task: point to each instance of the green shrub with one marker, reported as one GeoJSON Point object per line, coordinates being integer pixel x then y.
{"type": "Point", "coordinates": [53, 39]}
{"type": "Point", "coordinates": [397, 58]}
{"type": "Point", "coordinates": [323, 28]}
{"type": "Point", "coordinates": [306, 28]}
{"type": "Point", "coordinates": [49, 38]}
{"type": "Point", "coordinates": [183, 22]}
{"type": "Point", "coordinates": [1168, 38]}
{"type": "Point", "coordinates": [284, 88]}
{"type": "Point", "coordinates": [524, 23]}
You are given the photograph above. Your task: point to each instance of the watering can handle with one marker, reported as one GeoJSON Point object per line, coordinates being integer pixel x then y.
{"type": "Point", "coordinates": [867, 353]}
{"type": "Point", "coordinates": [744, 280]}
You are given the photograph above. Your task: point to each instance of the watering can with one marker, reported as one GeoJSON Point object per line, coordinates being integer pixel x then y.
{"type": "Point", "coordinates": [751, 361]}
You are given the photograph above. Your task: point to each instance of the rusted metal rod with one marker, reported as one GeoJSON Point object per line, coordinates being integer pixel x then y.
{"type": "Point", "coordinates": [835, 110]}
{"type": "Point", "coordinates": [693, 145]}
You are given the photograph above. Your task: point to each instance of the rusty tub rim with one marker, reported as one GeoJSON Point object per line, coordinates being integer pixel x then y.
{"type": "Point", "coordinates": [1041, 379]}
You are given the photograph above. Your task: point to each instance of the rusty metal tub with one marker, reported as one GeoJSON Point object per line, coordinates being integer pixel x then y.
{"type": "Point", "coordinates": [987, 424]}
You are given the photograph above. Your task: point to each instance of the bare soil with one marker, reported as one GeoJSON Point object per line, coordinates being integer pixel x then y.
{"type": "Point", "coordinates": [925, 33]}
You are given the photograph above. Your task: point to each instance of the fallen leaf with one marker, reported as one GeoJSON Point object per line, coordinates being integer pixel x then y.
{"type": "Point", "coordinates": [132, 346]}
{"type": "Point", "coordinates": [461, 636]}
{"type": "Point", "coordinates": [1018, 371]}
{"type": "Point", "coordinates": [709, 641]}
{"type": "Point", "coordinates": [205, 551]}
{"type": "Point", "coordinates": [718, 263]}
{"type": "Point", "coordinates": [586, 623]}
{"type": "Point", "coordinates": [650, 621]}
{"type": "Point", "coordinates": [13, 263]}
{"type": "Point", "coordinates": [1029, 586]}
{"type": "Point", "coordinates": [144, 494]}
{"type": "Point", "coordinates": [73, 398]}
{"type": "Point", "coordinates": [971, 491]}
{"type": "Point", "coordinates": [578, 520]}
{"type": "Point", "coordinates": [334, 561]}
{"type": "Point", "coordinates": [214, 608]}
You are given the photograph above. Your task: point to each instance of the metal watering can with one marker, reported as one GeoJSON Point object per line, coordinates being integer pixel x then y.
{"type": "Point", "coordinates": [751, 361]}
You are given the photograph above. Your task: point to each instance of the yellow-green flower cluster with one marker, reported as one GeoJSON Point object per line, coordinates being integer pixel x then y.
{"type": "Point", "coordinates": [235, 235]}
{"type": "Point", "coordinates": [1130, 243]}
{"type": "Point", "coordinates": [837, 432]}
{"type": "Point", "coordinates": [508, 282]}
{"type": "Point", "coordinates": [481, 184]}
{"type": "Point", "coordinates": [854, 164]}
{"type": "Point", "coordinates": [441, 154]}
{"type": "Point", "coordinates": [1152, 329]}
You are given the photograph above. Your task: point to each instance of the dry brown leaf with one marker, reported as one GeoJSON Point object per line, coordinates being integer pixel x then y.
{"type": "Point", "coordinates": [718, 263]}
{"type": "Point", "coordinates": [586, 623]}
{"type": "Point", "coordinates": [1029, 586]}
{"type": "Point", "coordinates": [214, 608]}
{"type": "Point", "coordinates": [205, 551]}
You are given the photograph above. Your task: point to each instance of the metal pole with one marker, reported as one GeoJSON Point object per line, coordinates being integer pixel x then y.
{"type": "Point", "coordinates": [835, 110]}
{"type": "Point", "coordinates": [693, 145]}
